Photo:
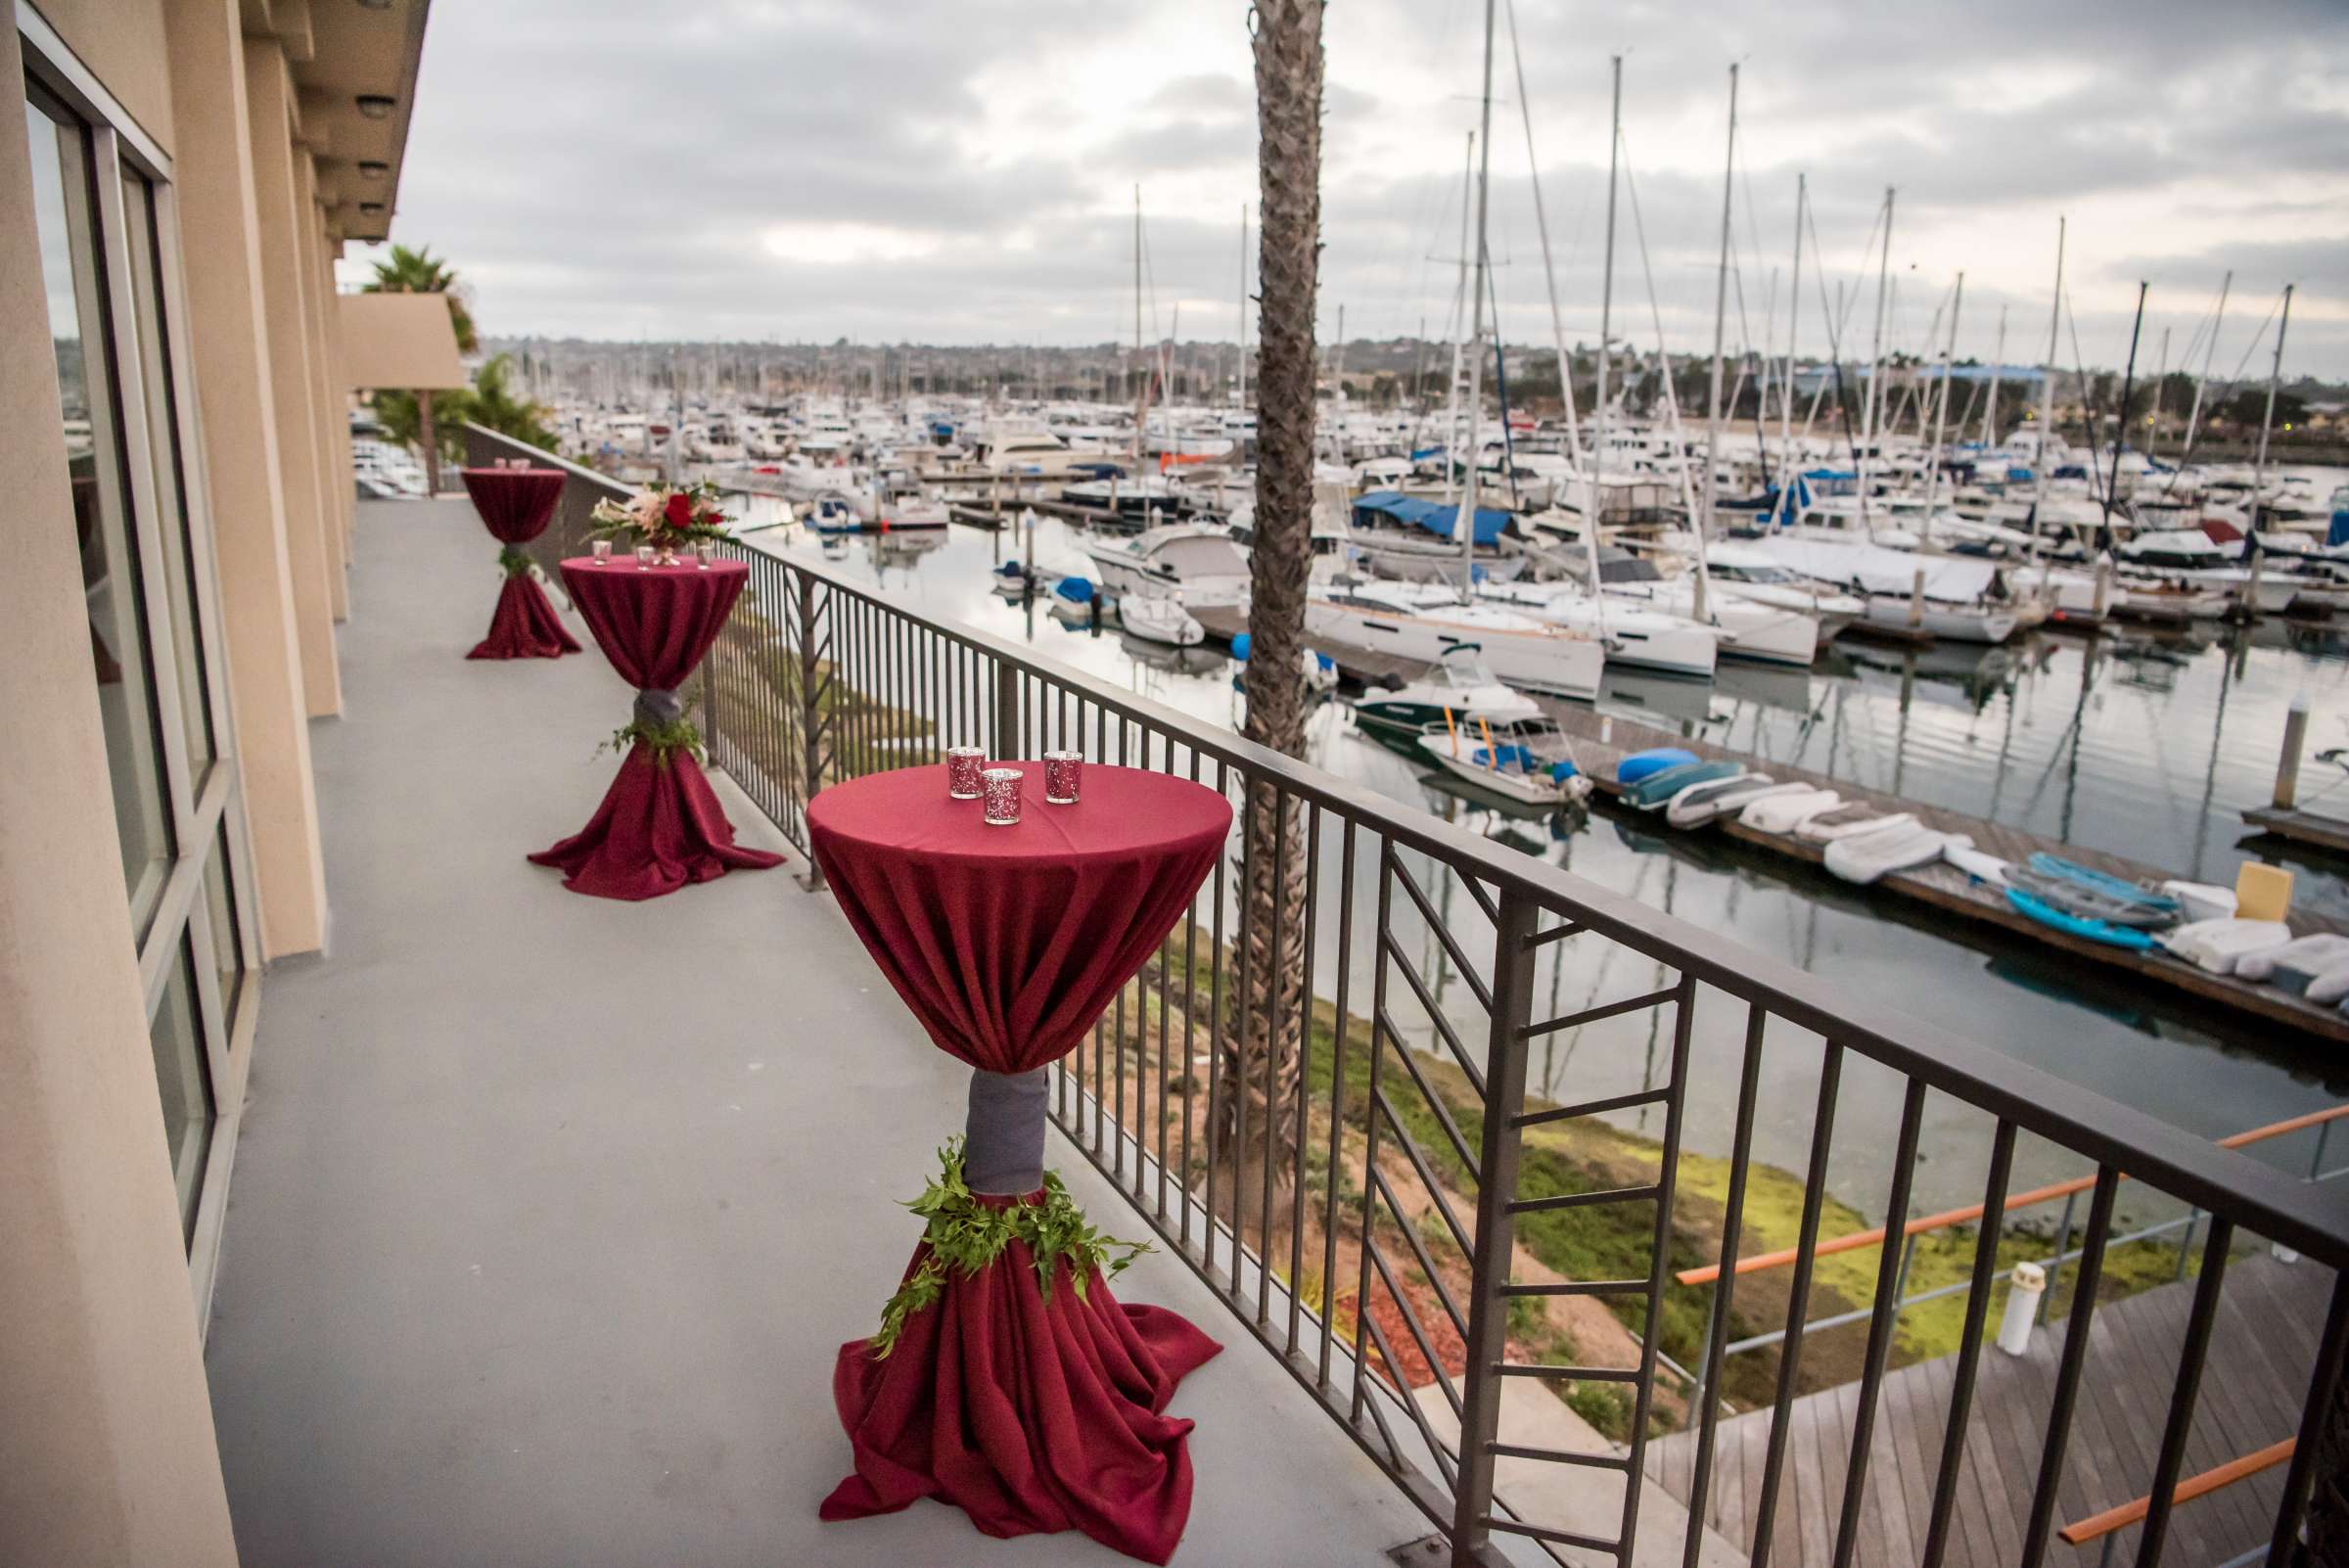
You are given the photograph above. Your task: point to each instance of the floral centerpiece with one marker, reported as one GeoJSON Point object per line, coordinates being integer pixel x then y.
{"type": "Point", "coordinates": [668, 518]}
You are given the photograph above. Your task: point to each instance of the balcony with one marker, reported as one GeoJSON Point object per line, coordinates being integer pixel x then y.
{"type": "Point", "coordinates": [551, 1211]}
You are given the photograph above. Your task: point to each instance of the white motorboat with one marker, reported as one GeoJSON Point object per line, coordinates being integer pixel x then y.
{"type": "Point", "coordinates": [1740, 572]}
{"type": "Point", "coordinates": [1637, 637]}
{"type": "Point", "coordinates": [1190, 564]}
{"type": "Point", "coordinates": [1741, 627]}
{"type": "Point", "coordinates": [1423, 623]}
{"type": "Point", "coordinates": [1155, 618]}
{"type": "Point", "coordinates": [1961, 598]}
{"type": "Point", "coordinates": [1532, 762]}
{"type": "Point", "coordinates": [1459, 684]}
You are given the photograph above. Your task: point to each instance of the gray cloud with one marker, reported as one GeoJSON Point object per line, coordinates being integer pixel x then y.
{"type": "Point", "coordinates": [601, 170]}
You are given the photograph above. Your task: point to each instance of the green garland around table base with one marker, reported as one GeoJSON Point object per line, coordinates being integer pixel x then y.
{"type": "Point", "coordinates": [967, 1235]}
{"type": "Point", "coordinates": [515, 563]}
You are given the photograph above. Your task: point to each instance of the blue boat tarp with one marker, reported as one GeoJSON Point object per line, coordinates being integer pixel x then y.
{"type": "Point", "coordinates": [1439, 520]}
{"type": "Point", "coordinates": [2338, 533]}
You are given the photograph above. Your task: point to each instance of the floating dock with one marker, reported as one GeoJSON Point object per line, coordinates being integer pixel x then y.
{"type": "Point", "coordinates": [2302, 827]}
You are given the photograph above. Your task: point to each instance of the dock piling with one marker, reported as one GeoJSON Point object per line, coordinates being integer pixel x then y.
{"type": "Point", "coordinates": [2287, 766]}
{"type": "Point", "coordinates": [1916, 597]}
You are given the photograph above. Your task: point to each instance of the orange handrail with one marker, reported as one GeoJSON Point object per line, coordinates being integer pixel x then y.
{"type": "Point", "coordinates": [2097, 1525]}
{"type": "Point", "coordinates": [1874, 1237]}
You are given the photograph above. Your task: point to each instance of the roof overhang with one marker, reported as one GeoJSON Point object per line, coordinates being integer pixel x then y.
{"type": "Point", "coordinates": [401, 341]}
{"type": "Point", "coordinates": [341, 51]}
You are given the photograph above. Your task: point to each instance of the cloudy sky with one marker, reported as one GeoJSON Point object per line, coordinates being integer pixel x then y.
{"type": "Point", "coordinates": [964, 170]}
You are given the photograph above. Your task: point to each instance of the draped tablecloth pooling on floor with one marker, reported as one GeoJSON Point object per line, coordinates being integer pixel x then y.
{"type": "Point", "coordinates": [514, 505]}
{"type": "Point", "coordinates": [1031, 1410]}
{"type": "Point", "coordinates": [659, 825]}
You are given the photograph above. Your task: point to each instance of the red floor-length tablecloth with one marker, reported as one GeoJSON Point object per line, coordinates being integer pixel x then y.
{"type": "Point", "coordinates": [1007, 943]}
{"type": "Point", "coordinates": [660, 826]}
{"type": "Point", "coordinates": [514, 505]}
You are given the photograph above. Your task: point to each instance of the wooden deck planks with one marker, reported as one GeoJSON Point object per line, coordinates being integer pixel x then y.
{"type": "Point", "coordinates": [2263, 1345]}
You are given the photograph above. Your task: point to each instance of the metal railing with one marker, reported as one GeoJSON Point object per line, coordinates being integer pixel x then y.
{"type": "Point", "coordinates": [1348, 1154]}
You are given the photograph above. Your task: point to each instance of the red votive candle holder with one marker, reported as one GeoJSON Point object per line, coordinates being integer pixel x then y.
{"type": "Point", "coordinates": [963, 763]}
{"type": "Point", "coordinates": [999, 796]}
{"type": "Point", "coordinates": [1061, 769]}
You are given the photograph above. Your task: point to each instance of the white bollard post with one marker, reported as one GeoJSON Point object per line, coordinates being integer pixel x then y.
{"type": "Point", "coordinates": [2028, 1284]}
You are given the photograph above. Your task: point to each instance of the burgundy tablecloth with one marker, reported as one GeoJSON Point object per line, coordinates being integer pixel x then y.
{"type": "Point", "coordinates": [514, 505]}
{"type": "Point", "coordinates": [1030, 1414]}
{"type": "Point", "coordinates": [659, 825]}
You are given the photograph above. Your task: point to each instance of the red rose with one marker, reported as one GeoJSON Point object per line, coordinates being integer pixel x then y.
{"type": "Point", "coordinates": [680, 510]}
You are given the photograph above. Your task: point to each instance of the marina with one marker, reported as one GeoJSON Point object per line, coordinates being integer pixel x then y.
{"type": "Point", "coordinates": [2046, 741]}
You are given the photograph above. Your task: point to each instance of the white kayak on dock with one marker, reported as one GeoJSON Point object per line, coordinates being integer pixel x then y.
{"type": "Point", "coordinates": [2221, 946]}
{"type": "Point", "coordinates": [1700, 804]}
{"type": "Point", "coordinates": [1863, 857]}
{"type": "Point", "coordinates": [1783, 813]}
{"type": "Point", "coordinates": [1851, 821]}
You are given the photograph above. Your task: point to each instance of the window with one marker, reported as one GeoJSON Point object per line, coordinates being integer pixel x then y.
{"type": "Point", "coordinates": [64, 201]}
{"type": "Point", "coordinates": [103, 205]}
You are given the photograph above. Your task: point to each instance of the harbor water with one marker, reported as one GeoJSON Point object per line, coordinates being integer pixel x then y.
{"type": "Point", "coordinates": [2139, 744]}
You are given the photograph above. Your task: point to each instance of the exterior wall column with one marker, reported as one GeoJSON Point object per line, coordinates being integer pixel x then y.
{"type": "Point", "coordinates": [328, 422]}
{"type": "Point", "coordinates": [283, 220]}
{"type": "Point", "coordinates": [106, 1453]}
{"type": "Point", "coordinates": [221, 259]}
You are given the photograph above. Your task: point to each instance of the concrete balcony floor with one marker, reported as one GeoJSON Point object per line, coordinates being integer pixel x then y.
{"type": "Point", "coordinates": [549, 1213]}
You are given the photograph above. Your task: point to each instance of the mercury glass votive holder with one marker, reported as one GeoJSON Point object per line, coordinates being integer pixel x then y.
{"type": "Point", "coordinates": [999, 796]}
{"type": "Point", "coordinates": [601, 549]}
{"type": "Point", "coordinates": [644, 558]}
{"type": "Point", "coordinates": [1061, 771]}
{"type": "Point", "coordinates": [963, 765]}
{"type": "Point", "coordinates": [704, 552]}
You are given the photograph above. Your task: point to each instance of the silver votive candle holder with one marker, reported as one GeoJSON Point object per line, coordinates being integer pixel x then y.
{"type": "Point", "coordinates": [704, 552]}
{"type": "Point", "coordinates": [999, 796]}
{"type": "Point", "coordinates": [963, 765]}
{"type": "Point", "coordinates": [1061, 772]}
{"type": "Point", "coordinates": [644, 558]}
{"type": "Point", "coordinates": [601, 549]}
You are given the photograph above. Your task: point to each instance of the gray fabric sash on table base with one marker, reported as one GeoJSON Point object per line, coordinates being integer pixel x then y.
{"type": "Point", "coordinates": [655, 706]}
{"type": "Point", "coordinates": [1003, 1136]}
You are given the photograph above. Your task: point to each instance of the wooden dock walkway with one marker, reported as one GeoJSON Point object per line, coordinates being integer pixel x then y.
{"type": "Point", "coordinates": [2263, 1348]}
{"type": "Point", "coordinates": [2302, 827]}
{"type": "Point", "coordinates": [1950, 890]}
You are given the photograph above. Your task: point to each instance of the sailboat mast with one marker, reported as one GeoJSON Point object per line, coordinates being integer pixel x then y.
{"type": "Point", "coordinates": [2259, 464]}
{"type": "Point", "coordinates": [1557, 321]}
{"type": "Point", "coordinates": [1998, 368]}
{"type": "Point", "coordinates": [2120, 422]}
{"type": "Point", "coordinates": [2208, 348]}
{"type": "Point", "coordinates": [1941, 410]}
{"type": "Point", "coordinates": [1721, 308]}
{"type": "Point", "coordinates": [1787, 467]}
{"type": "Point", "coordinates": [1875, 357]}
{"type": "Point", "coordinates": [1606, 314]}
{"type": "Point", "coordinates": [1243, 304]}
{"type": "Point", "coordinates": [2046, 398]}
{"type": "Point", "coordinates": [1465, 521]}
{"type": "Point", "coordinates": [1459, 312]}
{"type": "Point", "coordinates": [1141, 391]}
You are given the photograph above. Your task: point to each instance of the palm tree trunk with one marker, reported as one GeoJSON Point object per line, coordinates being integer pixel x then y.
{"type": "Point", "coordinates": [429, 434]}
{"type": "Point", "coordinates": [1262, 1066]}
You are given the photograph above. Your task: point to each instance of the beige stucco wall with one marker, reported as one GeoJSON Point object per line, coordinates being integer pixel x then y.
{"type": "Point", "coordinates": [123, 41]}
{"type": "Point", "coordinates": [106, 1453]}
{"type": "Point", "coordinates": [220, 245]}
{"type": "Point", "coordinates": [283, 214]}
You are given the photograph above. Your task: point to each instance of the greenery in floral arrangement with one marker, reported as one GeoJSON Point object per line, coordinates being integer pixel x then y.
{"type": "Point", "coordinates": [667, 517]}
{"type": "Point", "coordinates": [965, 1235]}
{"type": "Point", "coordinates": [662, 740]}
{"type": "Point", "coordinates": [514, 562]}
